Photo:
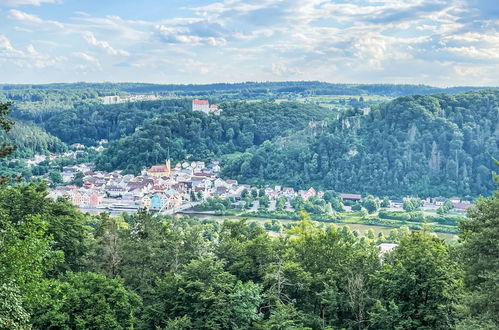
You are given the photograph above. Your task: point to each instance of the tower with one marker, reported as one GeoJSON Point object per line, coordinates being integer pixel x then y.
{"type": "Point", "coordinates": [168, 167]}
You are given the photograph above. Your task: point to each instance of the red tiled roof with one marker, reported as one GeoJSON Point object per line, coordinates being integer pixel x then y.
{"type": "Point", "coordinates": [200, 102]}
{"type": "Point", "coordinates": [158, 168]}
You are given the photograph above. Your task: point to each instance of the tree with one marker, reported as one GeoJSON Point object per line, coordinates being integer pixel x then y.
{"type": "Point", "coordinates": [283, 317]}
{"type": "Point", "coordinates": [55, 177]}
{"type": "Point", "coordinates": [78, 179]}
{"type": "Point", "coordinates": [445, 208]}
{"type": "Point", "coordinates": [418, 287]}
{"type": "Point", "coordinates": [479, 252]}
{"type": "Point", "coordinates": [13, 315]}
{"type": "Point", "coordinates": [254, 193]}
{"type": "Point", "coordinates": [208, 295]}
{"type": "Point", "coordinates": [244, 193]}
{"type": "Point", "coordinates": [385, 202]}
{"type": "Point", "coordinates": [371, 204]}
{"type": "Point", "coordinates": [87, 301]}
{"type": "Point", "coordinates": [412, 204]}
{"type": "Point", "coordinates": [5, 125]}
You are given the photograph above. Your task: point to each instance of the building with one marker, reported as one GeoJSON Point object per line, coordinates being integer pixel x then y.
{"type": "Point", "coordinates": [113, 99]}
{"type": "Point", "coordinates": [159, 171]}
{"type": "Point", "coordinates": [351, 197]}
{"type": "Point", "coordinates": [201, 105]}
{"type": "Point", "coordinates": [157, 202]}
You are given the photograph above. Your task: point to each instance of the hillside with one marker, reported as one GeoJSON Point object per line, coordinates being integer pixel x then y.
{"type": "Point", "coordinates": [31, 140]}
{"type": "Point", "coordinates": [419, 145]}
{"type": "Point", "coordinates": [240, 126]}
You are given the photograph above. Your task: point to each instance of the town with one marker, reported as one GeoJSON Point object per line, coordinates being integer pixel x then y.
{"type": "Point", "coordinates": [171, 189]}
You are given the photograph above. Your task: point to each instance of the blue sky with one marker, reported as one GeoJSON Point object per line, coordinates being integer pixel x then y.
{"type": "Point", "coordinates": [436, 42]}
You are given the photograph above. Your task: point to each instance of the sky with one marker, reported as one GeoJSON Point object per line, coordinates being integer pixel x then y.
{"type": "Point", "coordinates": [435, 42]}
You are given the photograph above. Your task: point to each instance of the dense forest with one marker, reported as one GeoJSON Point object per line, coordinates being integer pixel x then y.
{"type": "Point", "coordinates": [240, 126]}
{"type": "Point", "coordinates": [31, 140]}
{"type": "Point", "coordinates": [421, 145]}
{"type": "Point", "coordinates": [244, 90]}
{"type": "Point", "coordinates": [89, 123]}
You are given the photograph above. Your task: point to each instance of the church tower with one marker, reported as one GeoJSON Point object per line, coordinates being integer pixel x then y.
{"type": "Point", "coordinates": [168, 168]}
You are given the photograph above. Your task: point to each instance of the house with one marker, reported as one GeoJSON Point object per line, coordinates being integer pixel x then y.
{"type": "Point", "coordinates": [145, 202]}
{"type": "Point", "coordinates": [157, 201]}
{"type": "Point", "coordinates": [439, 201]}
{"type": "Point", "coordinates": [351, 197]}
{"type": "Point", "coordinates": [115, 191]}
{"type": "Point", "coordinates": [288, 192]}
{"type": "Point", "coordinates": [220, 183]}
{"type": "Point", "coordinates": [94, 200]}
{"type": "Point", "coordinates": [221, 191]}
{"type": "Point", "coordinates": [231, 182]}
{"type": "Point", "coordinates": [172, 199]}
{"type": "Point", "coordinates": [158, 171]}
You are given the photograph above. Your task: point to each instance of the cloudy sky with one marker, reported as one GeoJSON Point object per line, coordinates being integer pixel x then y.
{"type": "Point", "coordinates": [437, 42]}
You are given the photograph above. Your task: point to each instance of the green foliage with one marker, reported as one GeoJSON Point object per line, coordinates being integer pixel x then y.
{"type": "Point", "coordinates": [240, 126]}
{"type": "Point", "coordinates": [371, 204]}
{"type": "Point", "coordinates": [479, 255]}
{"type": "Point", "coordinates": [32, 140]}
{"type": "Point", "coordinates": [211, 297]}
{"type": "Point", "coordinates": [5, 125]}
{"type": "Point", "coordinates": [89, 123]}
{"type": "Point", "coordinates": [445, 208]}
{"type": "Point", "coordinates": [12, 313]}
{"type": "Point", "coordinates": [438, 145]}
{"type": "Point", "coordinates": [412, 204]}
{"type": "Point", "coordinates": [87, 301]}
{"type": "Point", "coordinates": [418, 287]}
{"type": "Point", "coordinates": [61, 220]}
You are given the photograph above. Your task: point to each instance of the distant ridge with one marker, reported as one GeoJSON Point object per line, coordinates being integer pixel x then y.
{"type": "Point", "coordinates": [307, 87]}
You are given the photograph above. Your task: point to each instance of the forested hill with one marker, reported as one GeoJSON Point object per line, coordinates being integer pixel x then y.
{"type": "Point", "coordinates": [420, 145]}
{"type": "Point", "coordinates": [240, 126]}
{"type": "Point", "coordinates": [31, 140]}
{"type": "Point", "coordinates": [241, 90]}
{"type": "Point", "coordinates": [89, 123]}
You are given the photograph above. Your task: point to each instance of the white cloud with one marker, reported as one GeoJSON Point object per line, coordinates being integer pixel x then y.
{"type": "Point", "coordinates": [34, 20]}
{"type": "Point", "coordinates": [90, 38]}
{"type": "Point", "coordinates": [90, 63]}
{"type": "Point", "coordinates": [15, 3]}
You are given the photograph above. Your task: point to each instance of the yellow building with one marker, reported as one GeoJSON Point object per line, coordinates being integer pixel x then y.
{"type": "Point", "coordinates": [159, 171]}
{"type": "Point", "coordinates": [145, 202]}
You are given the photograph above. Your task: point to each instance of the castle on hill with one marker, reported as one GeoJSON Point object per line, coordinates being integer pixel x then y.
{"type": "Point", "coordinates": [204, 106]}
